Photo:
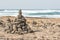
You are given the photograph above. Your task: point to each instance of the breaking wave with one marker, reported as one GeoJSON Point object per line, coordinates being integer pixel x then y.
{"type": "Point", "coordinates": [31, 13]}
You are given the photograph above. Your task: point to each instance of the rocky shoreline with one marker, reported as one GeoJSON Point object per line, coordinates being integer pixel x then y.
{"type": "Point", "coordinates": [45, 29]}
{"type": "Point", "coordinates": [37, 28]}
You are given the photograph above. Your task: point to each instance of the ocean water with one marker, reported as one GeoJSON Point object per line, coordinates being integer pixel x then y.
{"type": "Point", "coordinates": [31, 13]}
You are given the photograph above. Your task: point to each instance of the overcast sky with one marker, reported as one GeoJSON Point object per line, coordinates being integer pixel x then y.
{"type": "Point", "coordinates": [29, 4]}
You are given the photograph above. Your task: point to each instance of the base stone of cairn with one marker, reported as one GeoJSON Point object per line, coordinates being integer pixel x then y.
{"type": "Point", "coordinates": [19, 25]}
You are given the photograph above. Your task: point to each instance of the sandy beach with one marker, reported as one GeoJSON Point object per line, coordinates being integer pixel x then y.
{"type": "Point", "coordinates": [44, 29]}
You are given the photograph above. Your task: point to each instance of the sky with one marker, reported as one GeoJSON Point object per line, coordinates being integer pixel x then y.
{"type": "Point", "coordinates": [29, 4]}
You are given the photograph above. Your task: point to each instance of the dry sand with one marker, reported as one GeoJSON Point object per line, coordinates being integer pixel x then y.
{"type": "Point", "coordinates": [44, 29]}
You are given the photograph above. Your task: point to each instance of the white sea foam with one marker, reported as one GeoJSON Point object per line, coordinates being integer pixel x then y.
{"type": "Point", "coordinates": [39, 11]}
{"type": "Point", "coordinates": [44, 16]}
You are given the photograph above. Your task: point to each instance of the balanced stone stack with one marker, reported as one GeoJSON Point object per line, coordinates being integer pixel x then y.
{"type": "Point", "coordinates": [19, 26]}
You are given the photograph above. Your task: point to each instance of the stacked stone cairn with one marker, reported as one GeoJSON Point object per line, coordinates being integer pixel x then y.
{"type": "Point", "coordinates": [18, 26]}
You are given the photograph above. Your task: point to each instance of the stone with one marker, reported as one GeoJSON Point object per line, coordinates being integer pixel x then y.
{"type": "Point", "coordinates": [14, 27]}
{"type": "Point", "coordinates": [8, 31]}
{"type": "Point", "coordinates": [12, 32]}
{"type": "Point", "coordinates": [19, 29]}
{"type": "Point", "coordinates": [1, 22]}
{"type": "Point", "coordinates": [19, 26]}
